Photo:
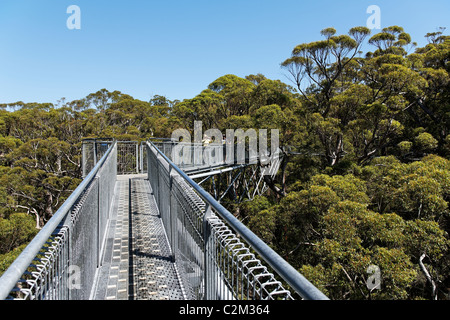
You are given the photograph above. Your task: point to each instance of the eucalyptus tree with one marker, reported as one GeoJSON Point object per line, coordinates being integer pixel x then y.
{"type": "Point", "coordinates": [320, 71]}
{"type": "Point", "coordinates": [361, 107]}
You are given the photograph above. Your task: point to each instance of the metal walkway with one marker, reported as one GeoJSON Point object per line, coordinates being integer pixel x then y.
{"type": "Point", "coordinates": [137, 261]}
{"type": "Point", "coordinates": [154, 236]}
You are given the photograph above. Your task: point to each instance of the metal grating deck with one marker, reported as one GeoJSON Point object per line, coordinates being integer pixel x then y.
{"type": "Point", "coordinates": [137, 261]}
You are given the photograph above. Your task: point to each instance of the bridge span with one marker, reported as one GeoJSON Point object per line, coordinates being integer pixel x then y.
{"type": "Point", "coordinates": [139, 227]}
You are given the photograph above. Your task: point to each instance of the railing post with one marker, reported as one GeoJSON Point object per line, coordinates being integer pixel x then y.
{"type": "Point", "coordinates": [157, 189]}
{"type": "Point", "coordinates": [99, 214]}
{"type": "Point", "coordinates": [95, 152]}
{"type": "Point", "coordinates": [207, 277]}
{"type": "Point", "coordinates": [172, 208]}
{"type": "Point", "coordinates": [137, 157]}
{"type": "Point", "coordinates": [83, 159]}
{"type": "Point", "coordinates": [141, 158]}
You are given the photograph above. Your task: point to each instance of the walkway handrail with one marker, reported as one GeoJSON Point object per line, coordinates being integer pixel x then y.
{"type": "Point", "coordinates": [296, 280]}
{"type": "Point", "coordinates": [15, 271]}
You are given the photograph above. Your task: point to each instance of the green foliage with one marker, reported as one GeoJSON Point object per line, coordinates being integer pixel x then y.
{"type": "Point", "coordinates": [426, 142]}
{"type": "Point", "coordinates": [260, 218]}
{"type": "Point", "coordinates": [15, 231]}
{"type": "Point", "coordinates": [8, 258]}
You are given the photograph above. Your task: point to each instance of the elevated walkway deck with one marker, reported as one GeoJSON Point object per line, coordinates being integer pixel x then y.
{"type": "Point", "coordinates": [116, 237]}
{"type": "Point", "coordinates": [137, 261]}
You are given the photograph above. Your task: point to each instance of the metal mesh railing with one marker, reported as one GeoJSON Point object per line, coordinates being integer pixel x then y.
{"type": "Point", "coordinates": [191, 156]}
{"type": "Point", "coordinates": [131, 155]}
{"type": "Point", "coordinates": [92, 151]}
{"type": "Point", "coordinates": [128, 157]}
{"type": "Point", "coordinates": [217, 256]}
{"type": "Point", "coordinates": [61, 261]}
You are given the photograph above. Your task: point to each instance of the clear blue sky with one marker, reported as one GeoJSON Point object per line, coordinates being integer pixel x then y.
{"type": "Point", "coordinates": [173, 48]}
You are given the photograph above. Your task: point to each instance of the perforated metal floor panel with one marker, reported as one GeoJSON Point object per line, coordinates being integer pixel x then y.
{"type": "Point", "coordinates": [137, 260]}
{"type": "Point", "coordinates": [112, 280]}
{"type": "Point", "coordinates": [154, 274]}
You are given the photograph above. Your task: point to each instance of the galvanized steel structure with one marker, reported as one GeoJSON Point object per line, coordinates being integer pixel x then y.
{"type": "Point", "coordinates": [211, 254]}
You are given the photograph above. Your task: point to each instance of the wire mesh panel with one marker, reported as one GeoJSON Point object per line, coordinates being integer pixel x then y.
{"type": "Point", "coordinates": [234, 271]}
{"type": "Point", "coordinates": [85, 242]}
{"type": "Point", "coordinates": [128, 157]}
{"type": "Point", "coordinates": [89, 156]}
{"type": "Point", "coordinates": [187, 216]}
{"type": "Point", "coordinates": [62, 260]}
{"type": "Point", "coordinates": [92, 151]}
{"type": "Point", "coordinates": [143, 157]}
{"type": "Point", "coordinates": [107, 176]}
{"type": "Point", "coordinates": [46, 277]}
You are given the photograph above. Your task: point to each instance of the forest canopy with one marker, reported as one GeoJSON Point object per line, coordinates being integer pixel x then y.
{"type": "Point", "coordinates": [368, 183]}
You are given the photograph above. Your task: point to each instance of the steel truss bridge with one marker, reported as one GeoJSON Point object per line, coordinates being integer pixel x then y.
{"type": "Point", "coordinates": [140, 227]}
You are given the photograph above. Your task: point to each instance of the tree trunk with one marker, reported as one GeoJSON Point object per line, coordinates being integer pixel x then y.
{"type": "Point", "coordinates": [428, 276]}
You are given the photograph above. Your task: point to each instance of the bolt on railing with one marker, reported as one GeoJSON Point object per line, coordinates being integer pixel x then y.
{"type": "Point", "coordinates": [218, 256]}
